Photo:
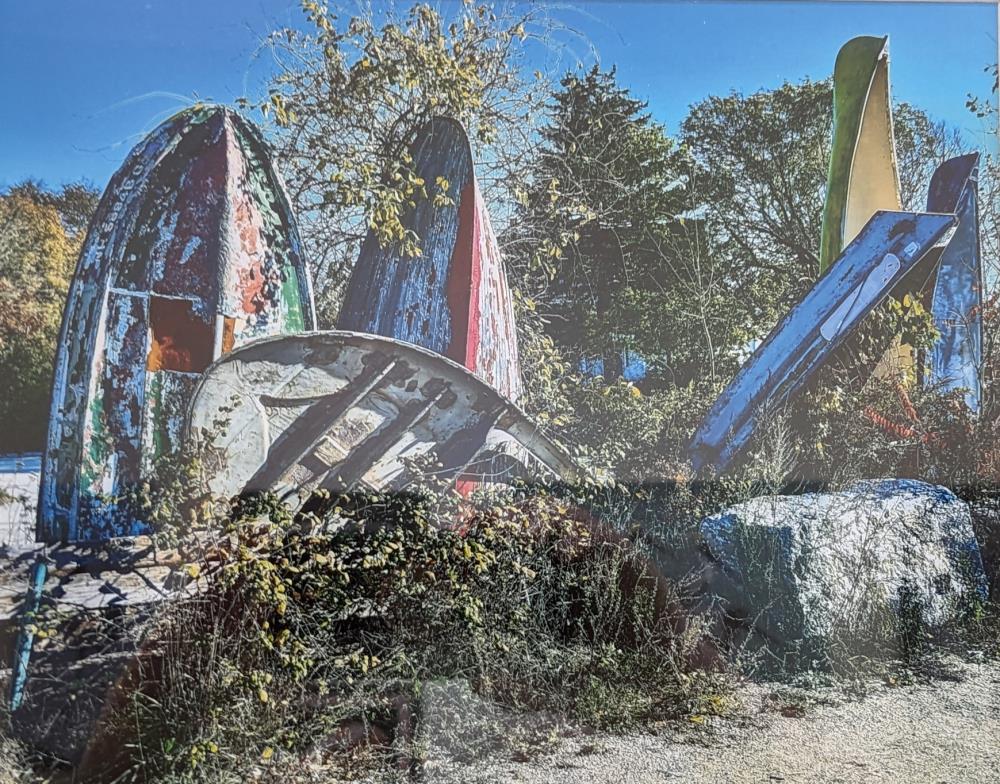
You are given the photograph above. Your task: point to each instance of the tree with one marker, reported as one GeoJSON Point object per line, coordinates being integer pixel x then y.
{"type": "Point", "coordinates": [40, 236]}
{"type": "Point", "coordinates": [351, 93]}
{"type": "Point", "coordinates": [597, 226]}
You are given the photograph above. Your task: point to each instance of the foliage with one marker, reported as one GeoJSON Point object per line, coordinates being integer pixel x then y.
{"type": "Point", "coordinates": [599, 242]}
{"type": "Point", "coordinates": [350, 94]}
{"type": "Point", "coordinates": [345, 615]}
{"type": "Point", "coordinates": [40, 235]}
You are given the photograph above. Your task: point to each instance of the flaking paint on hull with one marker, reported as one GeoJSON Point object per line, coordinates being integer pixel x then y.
{"type": "Point", "coordinates": [193, 251]}
{"type": "Point", "coordinates": [956, 303]}
{"type": "Point", "coordinates": [862, 176]}
{"type": "Point", "coordinates": [453, 298]}
{"type": "Point", "coordinates": [889, 247]}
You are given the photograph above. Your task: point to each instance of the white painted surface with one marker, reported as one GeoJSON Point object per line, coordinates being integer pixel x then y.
{"type": "Point", "coordinates": [19, 479]}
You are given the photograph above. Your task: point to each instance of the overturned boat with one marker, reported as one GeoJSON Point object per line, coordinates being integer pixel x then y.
{"type": "Point", "coordinates": [341, 410]}
{"type": "Point", "coordinates": [956, 360]}
{"type": "Point", "coordinates": [889, 248]}
{"type": "Point", "coordinates": [453, 298]}
{"type": "Point", "coordinates": [193, 251]}
{"type": "Point", "coordinates": [862, 178]}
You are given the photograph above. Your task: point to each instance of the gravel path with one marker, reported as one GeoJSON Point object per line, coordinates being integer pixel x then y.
{"type": "Point", "coordinates": [942, 732]}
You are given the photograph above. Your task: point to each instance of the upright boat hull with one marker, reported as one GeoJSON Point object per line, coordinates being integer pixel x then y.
{"type": "Point", "coordinates": [862, 178]}
{"type": "Point", "coordinates": [453, 298]}
{"type": "Point", "coordinates": [192, 252]}
{"type": "Point", "coordinates": [887, 249]}
{"type": "Point", "coordinates": [956, 304]}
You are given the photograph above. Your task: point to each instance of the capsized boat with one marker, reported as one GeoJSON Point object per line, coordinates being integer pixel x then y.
{"type": "Point", "coordinates": [956, 302]}
{"type": "Point", "coordinates": [193, 251]}
{"type": "Point", "coordinates": [453, 298]}
{"type": "Point", "coordinates": [889, 247]}
{"type": "Point", "coordinates": [340, 410]}
{"type": "Point", "coordinates": [862, 176]}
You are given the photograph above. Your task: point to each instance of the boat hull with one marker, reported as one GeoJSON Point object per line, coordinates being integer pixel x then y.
{"type": "Point", "coordinates": [887, 249]}
{"type": "Point", "coordinates": [337, 410]}
{"type": "Point", "coordinates": [862, 177]}
{"type": "Point", "coordinates": [956, 303]}
{"type": "Point", "coordinates": [453, 298]}
{"type": "Point", "coordinates": [193, 251]}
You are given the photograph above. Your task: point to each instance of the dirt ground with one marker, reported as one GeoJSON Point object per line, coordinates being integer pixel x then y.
{"type": "Point", "coordinates": [933, 733]}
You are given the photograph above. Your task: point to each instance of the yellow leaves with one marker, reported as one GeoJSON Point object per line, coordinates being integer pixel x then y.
{"type": "Point", "coordinates": [193, 571]}
{"type": "Point", "coordinates": [267, 753]}
{"type": "Point", "coordinates": [262, 695]}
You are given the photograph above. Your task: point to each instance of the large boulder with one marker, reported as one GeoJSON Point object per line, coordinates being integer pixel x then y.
{"type": "Point", "coordinates": [829, 574]}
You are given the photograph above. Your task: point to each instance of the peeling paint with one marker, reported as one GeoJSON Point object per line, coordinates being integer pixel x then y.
{"type": "Point", "coordinates": [889, 247]}
{"type": "Point", "coordinates": [193, 250]}
{"type": "Point", "coordinates": [453, 298]}
{"type": "Point", "coordinates": [956, 303]}
{"type": "Point", "coordinates": [334, 410]}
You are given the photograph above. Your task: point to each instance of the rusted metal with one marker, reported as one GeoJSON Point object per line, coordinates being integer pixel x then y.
{"type": "Point", "coordinates": [890, 247]}
{"type": "Point", "coordinates": [340, 409]}
{"type": "Point", "coordinates": [453, 298]}
{"type": "Point", "coordinates": [193, 251]}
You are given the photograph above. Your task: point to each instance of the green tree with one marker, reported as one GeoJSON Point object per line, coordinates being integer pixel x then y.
{"type": "Point", "coordinates": [40, 236]}
{"type": "Point", "coordinates": [351, 93]}
{"type": "Point", "coordinates": [599, 228]}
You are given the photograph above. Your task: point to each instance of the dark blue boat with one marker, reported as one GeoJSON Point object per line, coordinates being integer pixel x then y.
{"type": "Point", "coordinates": [956, 304]}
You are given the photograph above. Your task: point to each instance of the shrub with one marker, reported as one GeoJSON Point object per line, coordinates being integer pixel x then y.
{"type": "Point", "coordinates": [310, 632]}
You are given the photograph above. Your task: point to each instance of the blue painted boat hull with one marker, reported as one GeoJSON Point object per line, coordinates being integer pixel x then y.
{"type": "Point", "coordinates": [956, 304]}
{"type": "Point", "coordinates": [889, 247]}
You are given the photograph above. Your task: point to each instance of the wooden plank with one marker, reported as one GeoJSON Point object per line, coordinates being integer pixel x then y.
{"type": "Point", "coordinates": [81, 576]}
{"type": "Point", "coordinates": [427, 404]}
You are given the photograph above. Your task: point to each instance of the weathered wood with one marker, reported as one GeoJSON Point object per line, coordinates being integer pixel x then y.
{"type": "Point", "coordinates": [453, 298]}
{"type": "Point", "coordinates": [193, 250]}
{"type": "Point", "coordinates": [890, 246]}
{"type": "Point", "coordinates": [90, 576]}
{"type": "Point", "coordinates": [426, 403]}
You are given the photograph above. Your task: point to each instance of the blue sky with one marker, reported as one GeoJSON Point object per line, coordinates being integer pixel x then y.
{"type": "Point", "coordinates": [85, 80]}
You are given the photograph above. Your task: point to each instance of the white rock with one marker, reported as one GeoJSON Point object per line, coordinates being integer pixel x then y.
{"type": "Point", "coordinates": [814, 572]}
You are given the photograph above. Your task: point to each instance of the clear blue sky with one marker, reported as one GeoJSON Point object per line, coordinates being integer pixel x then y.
{"type": "Point", "coordinates": [84, 80]}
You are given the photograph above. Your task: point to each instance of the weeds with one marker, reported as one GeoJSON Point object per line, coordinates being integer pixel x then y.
{"type": "Point", "coordinates": [316, 634]}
